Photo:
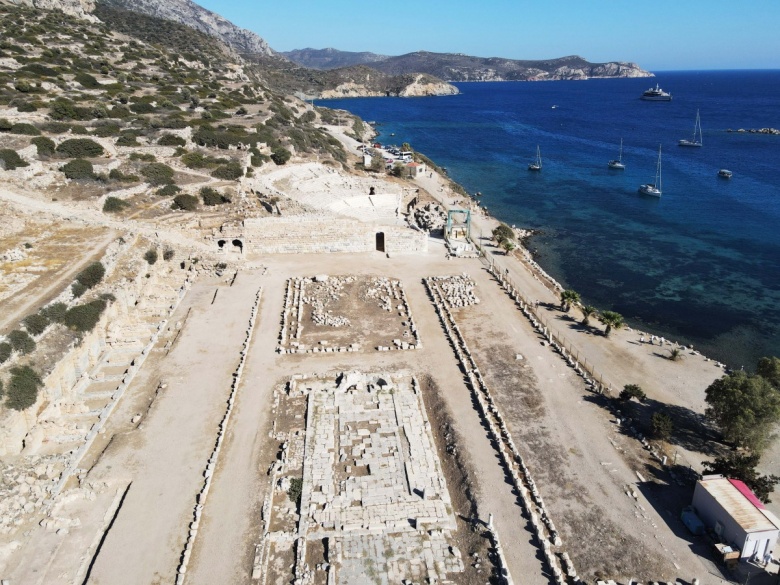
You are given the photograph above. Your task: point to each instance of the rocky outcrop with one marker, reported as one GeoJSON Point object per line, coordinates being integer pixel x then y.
{"type": "Point", "coordinates": [330, 58]}
{"type": "Point", "coordinates": [190, 14]}
{"type": "Point", "coordinates": [77, 8]}
{"type": "Point", "coordinates": [426, 86]}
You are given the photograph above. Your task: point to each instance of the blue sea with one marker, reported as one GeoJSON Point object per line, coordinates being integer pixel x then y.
{"type": "Point", "coordinates": [700, 265]}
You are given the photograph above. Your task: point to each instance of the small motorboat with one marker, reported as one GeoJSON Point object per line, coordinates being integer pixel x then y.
{"type": "Point", "coordinates": [725, 174]}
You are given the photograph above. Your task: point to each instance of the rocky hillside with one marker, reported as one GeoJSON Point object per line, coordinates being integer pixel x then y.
{"type": "Point", "coordinates": [194, 16]}
{"type": "Point", "coordinates": [458, 67]}
{"type": "Point", "coordinates": [331, 58]}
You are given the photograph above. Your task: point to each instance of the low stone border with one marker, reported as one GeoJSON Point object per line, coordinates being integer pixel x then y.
{"type": "Point", "coordinates": [211, 464]}
{"type": "Point", "coordinates": [559, 562]}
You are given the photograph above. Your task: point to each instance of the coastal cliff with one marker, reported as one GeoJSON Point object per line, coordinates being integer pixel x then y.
{"type": "Point", "coordinates": [401, 86]}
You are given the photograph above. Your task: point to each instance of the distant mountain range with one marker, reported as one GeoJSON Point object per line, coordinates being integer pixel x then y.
{"type": "Point", "coordinates": [459, 67]}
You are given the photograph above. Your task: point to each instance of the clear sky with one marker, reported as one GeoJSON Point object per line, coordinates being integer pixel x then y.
{"type": "Point", "coordinates": [657, 34]}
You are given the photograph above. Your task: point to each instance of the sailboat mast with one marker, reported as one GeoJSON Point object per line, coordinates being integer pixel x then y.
{"type": "Point", "coordinates": [658, 170]}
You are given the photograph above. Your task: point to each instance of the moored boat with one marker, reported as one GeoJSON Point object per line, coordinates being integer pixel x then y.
{"type": "Point", "coordinates": [654, 189]}
{"type": "Point", "coordinates": [618, 163]}
{"type": "Point", "coordinates": [656, 94]}
{"type": "Point", "coordinates": [697, 138]}
{"type": "Point", "coordinates": [537, 164]}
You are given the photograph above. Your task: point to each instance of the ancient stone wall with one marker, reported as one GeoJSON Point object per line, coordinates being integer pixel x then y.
{"type": "Point", "coordinates": [308, 235]}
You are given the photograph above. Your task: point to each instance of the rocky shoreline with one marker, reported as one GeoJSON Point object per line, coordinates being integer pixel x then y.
{"type": "Point", "coordinates": [773, 131]}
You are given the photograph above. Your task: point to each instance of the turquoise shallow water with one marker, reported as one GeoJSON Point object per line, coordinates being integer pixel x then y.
{"type": "Point", "coordinates": [701, 265]}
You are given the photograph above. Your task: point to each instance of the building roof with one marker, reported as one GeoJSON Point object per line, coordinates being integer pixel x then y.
{"type": "Point", "coordinates": [733, 497]}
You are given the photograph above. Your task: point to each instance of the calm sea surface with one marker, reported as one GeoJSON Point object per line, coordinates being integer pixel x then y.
{"type": "Point", "coordinates": [700, 265]}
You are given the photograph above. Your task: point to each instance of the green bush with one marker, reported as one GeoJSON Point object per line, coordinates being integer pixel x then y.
{"type": "Point", "coordinates": [185, 202]}
{"type": "Point", "coordinates": [213, 197]}
{"type": "Point", "coordinates": [35, 324]}
{"type": "Point", "coordinates": [79, 148]}
{"type": "Point", "coordinates": [151, 256]}
{"type": "Point", "coordinates": [78, 168]}
{"type": "Point", "coordinates": [83, 318]}
{"type": "Point", "coordinates": [44, 145]}
{"type": "Point", "coordinates": [23, 388]}
{"type": "Point", "coordinates": [258, 160]}
{"type": "Point", "coordinates": [168, 254]}
{"type": "Point", "coordinates": [142, 108]}
{"type": "Point", "coordinates": [117, 175]}
{"type": "Point", "coordinates": [55, 312]}
{"type": "Point", "coordinates": [11, 159]}
{"type": "Point", "coordinates": [25, 129]}
{"type": "Point", "coordinates": [5, 125]}
{"type": "Point", "coordinates": [168, 190]}
{"type": "Point", "coordinates": [91, 275]}
{"type": "Point", "coordinates": [86, 80]}
{"type": "Point", "coordinates": [5, 351]}
{"type": "Point", "coordinates": [27, 107]}
{"type": "Point", "coordinates": [127, 139]}
{"type": "Point", "coordinates": [158, 173]}
{"type": "Point", "coordinates": [280, 155]}
{"type": "Point", "coordinates": [295, 491]}
{"type": "Point", "coordinates": [661, 425]}
{"type": "Point", "coordinates": [114, 205]}
{"type": "Point", "coordinates": [228, 172]}
{"type": "Point", "coordinates": [630, 391]}
{"type": "Point", "coordinates": [171, 140]}
{"type": "Point", "coordinates": [21, 341]}
{"type": "Point", "coordinates": [78, 289]}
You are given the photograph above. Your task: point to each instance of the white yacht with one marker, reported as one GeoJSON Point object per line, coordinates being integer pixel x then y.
{"type": "Point", "coordinates": [537, 164]}
{"type": "Point", "coordinates": [654, 189]}
{"type": "Point", "coordinates": [725, 173]}
{"type": "Point", "coordinates": [656, 94]}
{"type": "Point", "coordinates": [696, 140]}
{"type": "Point", "coordinates": [618, 163]}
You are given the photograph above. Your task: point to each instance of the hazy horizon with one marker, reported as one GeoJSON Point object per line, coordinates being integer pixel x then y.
{"type": "Point", "coordinates": [662, 36]}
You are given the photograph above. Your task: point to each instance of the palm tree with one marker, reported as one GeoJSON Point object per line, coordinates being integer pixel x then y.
{"type": "Point", "coordinates": [612, 320]}
{"type": "Point", "coordinates": [568, 298]}
{"type": "Point", "coordinates": [675, 354]}
{"type": "Point", "coordinates": [587, 312]}
{"type": "Point", "coordinates": [508, 246]}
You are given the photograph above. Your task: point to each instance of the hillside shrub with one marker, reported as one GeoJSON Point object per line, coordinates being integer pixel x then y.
{"type": "Point", "coordinates": [213, 197]}
{"type": "Point", "coordinates": [25, 129]}
{"type": "Point", "coordinates": [185, 202]}
{"type": "Point", "coordinates": [127, 139]}
{"type": "Point", "coordinates": [21, 341]}
{"type": "Point", "coordinates": [168, 254]}
{"type": "Point", "coordinates": [168, 190]}
{"type": "Point", "coordinates": [158, 173]}
{"type": "Point", "coordinates": [150, 256]}
{"type": "Point", "coordinates": [630, 391]}
{"type": "Point", "coordinates": [5, 125]}
{"type": "Point", "coordinates": [55, 312]}
{"type": "Point", "coordinates": [83, 318]}
{"type": "Point", "coordinates": [27, 107]}
{"type": "Point", "coordinates": [5, 351]}
{"type": "Point", "coordinates": [77, 169]}
{"type": "Point", "coordinates": [117, 175]}
{"type": "Point", "coordinates": [91, 275]}
{"type": "Point", "coordinates": [86, 80]}
{"type": "Point", "coordinates": [11, 160]}
{"type": "Point", "coordinates": [229, 172]}
{"type": "Point", "coordinates": [35, 324]}
{"type": "Point", "coordinates": [44, 145]}
{"type": "Point", "coordinates": [78, 289]}
{"type": "Point", "coordinates": [662, 426]}
{"type": "Point", "coordinates": [171, 140]}
{"type": "Point", "coordinates": [142, 108]}
{"type": "Point", "coordinates": [23, 388]}
{"type": "Point", "coordinates": [79, 148]}
{"type": "Point", "coordinates": [280, 155]}
{"type": "Point", "coordinates": [114, 205]}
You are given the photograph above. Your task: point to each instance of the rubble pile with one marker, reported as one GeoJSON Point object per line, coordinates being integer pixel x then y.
{"type": "Point", "coordinates": [24, 488]}
{"type": "Point", "coordinates": [430, 217]}
{"type": "Point", "coordinates": [457, 290]}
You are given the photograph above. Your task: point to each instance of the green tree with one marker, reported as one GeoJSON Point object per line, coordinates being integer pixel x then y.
{"type": "Point", "coordinates": [630, 391]}
{"type": "Point", "coordinates": [612, 320]}
{"type": "Point", "coordinates": [587, 312]}
{"type": "Point", "coordinates": [745, 407]}
{"type": "Point", "coordinates": [742, 466]}
{"type": "Point", "coordinates": [44, 145]}
{"type": "Point", "coordinates": [78, 169]}
{"type": "Point", "coordinates": [503, 232]}
{"type": "Point", "coordinates": [35, 324]}
{"type": "Point", "coordinates": [568, 298]}
{"type": "Point", "coordinates": [151, 256]}
{"type": "Point", "coordinates": [23, 388]}
{"type": "Point", "coordinates": [769, 368]}
{"type": "Point", "coordinates": [185, 202]}
{"type": "Point", "coordinates": [5, 351]}
{"type": "Point", "coordinates": [79, 148]}
{"type": "Point", "coordinates": [508, 246]}
{"type": "Point", "coordinates": [662, 426]}
{"type": "Point", "coordinates": [280, 155]}
{"type": "Point", "coordinates": [91, 275]}
{"type": "Point", "coordinates": [10, 159]}
{"type": "Point", "coordinates": [114, 205]}
{"type": "Point", "coordinates": [158, 173]}
{"type": "Point", "coordinates": [21, 341]}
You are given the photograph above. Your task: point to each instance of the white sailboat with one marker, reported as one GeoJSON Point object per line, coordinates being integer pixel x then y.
{"type": "Point", "coordinates": [618, 163]}
{"type": "Point", "coordinates": [654, 189]}
{"type": "Point", "coordinates": [537, 164]}
{"type": "Point", "coordinates": [696, 141]}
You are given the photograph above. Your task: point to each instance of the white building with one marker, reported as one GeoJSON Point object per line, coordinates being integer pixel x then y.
{"type": "Point", "coordinates": [736, 515]}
